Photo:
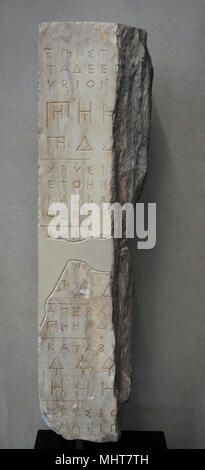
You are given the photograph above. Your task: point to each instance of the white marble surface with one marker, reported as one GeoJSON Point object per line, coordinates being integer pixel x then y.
{"type": "Point", "coordinates": [77, 80]}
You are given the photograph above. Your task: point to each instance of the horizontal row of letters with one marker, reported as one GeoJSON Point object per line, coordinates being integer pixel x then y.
{"type": "Point", "coordinates": [84, 69]}
{"type": "Point", "coordinates": [58, 144]}
{"type": "Point", "coordinates": [65, 53]}
{"type": "Point", "coordinates": [57, 111]}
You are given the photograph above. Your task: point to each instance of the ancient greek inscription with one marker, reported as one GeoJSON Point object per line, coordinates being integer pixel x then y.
{"type": "Point", "coordinates": [77, 344]}
{"type": "Point", "coordinates": [76, 103]}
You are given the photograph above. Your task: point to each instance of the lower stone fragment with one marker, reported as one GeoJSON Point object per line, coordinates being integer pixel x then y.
{"type": "Point", "coordinates": [77, 343]}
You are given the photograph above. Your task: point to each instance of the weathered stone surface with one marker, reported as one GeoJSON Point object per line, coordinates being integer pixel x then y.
{"type": "Point", "coordinates": [94, 125]}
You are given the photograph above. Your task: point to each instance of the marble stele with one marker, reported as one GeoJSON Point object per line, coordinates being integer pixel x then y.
{"type": "Point", "coordinates": [94, 126]}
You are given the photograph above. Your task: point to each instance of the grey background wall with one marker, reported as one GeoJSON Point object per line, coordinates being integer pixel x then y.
{"type": "Point", "coordinates": [169, 319]}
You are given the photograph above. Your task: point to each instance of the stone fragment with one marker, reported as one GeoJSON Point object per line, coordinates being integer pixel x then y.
{"type": "Point", "coordinates": [94, 127]}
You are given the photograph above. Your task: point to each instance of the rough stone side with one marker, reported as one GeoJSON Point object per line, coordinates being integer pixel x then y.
{"type": "Point", "coordinates": [131, 136]}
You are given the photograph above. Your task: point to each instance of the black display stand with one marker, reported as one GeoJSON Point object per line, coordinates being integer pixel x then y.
{"type": "Point", "coordinates": [130, 440]}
